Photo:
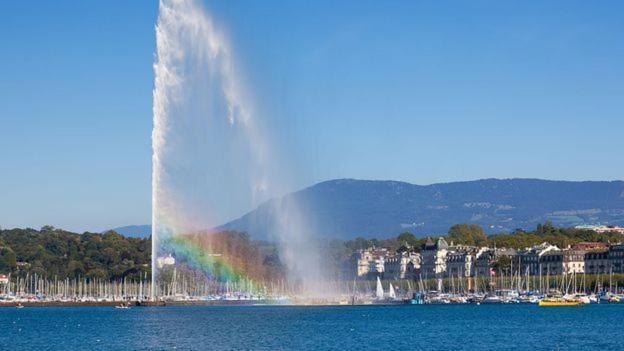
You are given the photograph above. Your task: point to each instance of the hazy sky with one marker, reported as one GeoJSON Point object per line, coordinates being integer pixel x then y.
{"type": "Point", "coordinates": [423, 92]}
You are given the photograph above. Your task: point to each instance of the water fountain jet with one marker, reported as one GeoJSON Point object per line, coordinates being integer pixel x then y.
{"type": "Point", "coordinates": [210, 154]}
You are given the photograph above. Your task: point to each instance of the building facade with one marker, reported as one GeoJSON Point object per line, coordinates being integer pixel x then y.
{"type": "Point", "coordinates": [597, 262]}
{"type": "Point", "coordinates": [438, 260]}
{"type": "Point", "coordinates": [369, 263]}
{"type": "Point", "coordinates": [404, 265]}
{"type": "Point", "coordinates": [616, 258]}
{"type": "Point", "coordinates": [530, 259]}
{"type": "Point", "coordinates": [433, 256]}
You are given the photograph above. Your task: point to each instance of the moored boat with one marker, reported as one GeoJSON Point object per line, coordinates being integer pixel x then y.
{"type": "Point", "coordinates": [123, 306]}
{"type": "Point", "coordinates": [608, 297]}
{"type": "Point", "coordinates": [584, 299]}
{"type": "Point", "coordinates": [491, 298]}
{"type": "Point", "coordinates": [417, 299]}
{"type": "Point", "coordinates": [559, 301]}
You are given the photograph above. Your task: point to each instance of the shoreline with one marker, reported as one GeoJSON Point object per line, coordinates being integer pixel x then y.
{"type": "Point", "coordinates": [137, 303]}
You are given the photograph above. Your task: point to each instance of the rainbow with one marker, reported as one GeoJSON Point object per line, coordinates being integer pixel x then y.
{"type": "Point", "coordinates": [214, 266]}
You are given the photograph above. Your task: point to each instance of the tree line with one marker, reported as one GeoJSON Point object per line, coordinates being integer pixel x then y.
{"type": "Point", "coordinates": [53, 252]}
{"type": "Point", "coordinates": [474, 235]}
{"type": "Point", "coordinates": [57, 253]}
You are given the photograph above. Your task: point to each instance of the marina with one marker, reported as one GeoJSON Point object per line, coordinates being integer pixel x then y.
{"type": "Point", "coordinates": [516, 289]}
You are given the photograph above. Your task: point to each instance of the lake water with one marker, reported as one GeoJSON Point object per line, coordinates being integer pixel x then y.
{"type": "Point", "coordinates": [425, 327]}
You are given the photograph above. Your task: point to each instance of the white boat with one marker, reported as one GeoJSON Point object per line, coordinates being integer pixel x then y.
{"type": "Point", "coordinates": [507, 295]}
{"type": "Point", "coordinates": [435, 297]}
{"type": "Point", "coordinates": [582, 298]}
{"type": "Point", "coordinates": [608, 297]}
{"type": "Point", "coordinates": [379, 292]}
{"type": "Point", "coordinates": [123, 306]}
{"type": "Point", "coordinates": [391, 292]}
{"type": "Point", "coordinates": [593, 298]}
{"type": "Point", "coordinates": [492, 299]}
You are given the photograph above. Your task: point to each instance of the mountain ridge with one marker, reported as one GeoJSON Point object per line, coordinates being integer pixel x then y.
{"type": "Point", "coordinates": [346, 208]}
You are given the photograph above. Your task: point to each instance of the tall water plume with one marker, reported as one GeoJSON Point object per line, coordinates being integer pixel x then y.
{"type": "Point", "coordinates": [211, 157]}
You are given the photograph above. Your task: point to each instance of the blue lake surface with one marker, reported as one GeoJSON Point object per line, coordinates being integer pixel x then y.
{"type": "Point", "coordinates": [425, 327]}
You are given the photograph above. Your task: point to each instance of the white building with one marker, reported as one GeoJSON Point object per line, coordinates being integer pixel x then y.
{"type": "Point", "coordinates": [602, 228]}
{"type": "Point", "coordinates": [403, 265]}
{"type": "Point", "coordinates": [165, 261]}
{"type": "Point", "coordinates": [370, 262]}
{"type": "Point", "coordinates": [434, 258]}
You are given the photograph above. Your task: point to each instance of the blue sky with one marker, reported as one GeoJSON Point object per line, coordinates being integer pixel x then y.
{"type": "Point", "coordinates": [417, 91]}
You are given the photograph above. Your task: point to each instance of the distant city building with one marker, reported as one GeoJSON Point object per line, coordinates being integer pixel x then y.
{"type": "Point", "coordinates": [597, 262]}
{"type": "Point", "coordinates": [602, 228]}
{"type": "Point", "coordinates": [462, 260]}
{"type": "Point", "coordinates": [165, 261]}
{"type": "Point", "coordinates": [433, 255]}
{"type": "Point", "coordinates": [589, 246]}
{"type": "Point", "coordinates": [459, 264]}
{"type": "Point", "coordinates": [381, 262]}
{"type": "Point", "coordinates": [573, 261]}
{"type": "Point", "coordinates": [616, 258]}
{"type": "Point", "coordinates": [437, 260]}
{"type": "Point", "coordinates": [483, 264]}
{"type": "Point", "coordinates": [403, 265]}
{"type": "Point", "coordinates": [370, 262]}
{"type": "Point", "coordinates": [563, 262]}
{"type": "Point", "coordinates": [530, 259]}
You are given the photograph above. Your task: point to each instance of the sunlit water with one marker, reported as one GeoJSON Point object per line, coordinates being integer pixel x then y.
{"type": "Point", "coordinates": [429, 327]}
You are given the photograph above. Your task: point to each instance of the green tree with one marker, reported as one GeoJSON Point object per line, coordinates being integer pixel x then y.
{"type": "Point", "coordinates": [467, 234]}
{"type": "Point", "coordinates": [408, 238]}
{"type": "Point", "coordinates": [8, 260]}
{"type": "Point", "coordinates": [75, 268]}
{"type": "Point", "coordinates": [47, 228]}
{"type": "Point", "coordinates": [358, 243]}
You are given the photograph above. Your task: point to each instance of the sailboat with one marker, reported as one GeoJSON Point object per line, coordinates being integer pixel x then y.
{"type": "Point", "coordinates": [379, 292]}
{"type": "Point", "coordinates": [391, 292]}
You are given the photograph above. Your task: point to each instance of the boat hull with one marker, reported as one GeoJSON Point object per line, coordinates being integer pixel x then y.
{"type": "Point", "coordinates": [558, 303]}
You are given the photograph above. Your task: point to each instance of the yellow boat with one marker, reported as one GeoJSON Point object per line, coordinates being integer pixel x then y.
{"type": "Point", "coordinates": [558, 301]}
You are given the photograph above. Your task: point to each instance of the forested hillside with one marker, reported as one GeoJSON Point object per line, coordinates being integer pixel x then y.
{"type": "Point", "coordinates": [59, 253]}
